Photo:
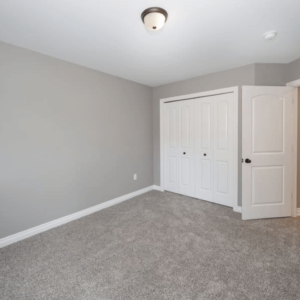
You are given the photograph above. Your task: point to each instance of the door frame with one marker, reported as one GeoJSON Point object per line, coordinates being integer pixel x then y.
{"type": "Point", "coordinates": [296, 85]}
{"type": "Point", "coordinates": [235, 91]}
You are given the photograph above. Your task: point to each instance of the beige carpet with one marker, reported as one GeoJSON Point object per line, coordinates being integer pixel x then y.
{"type": "Point", "coordinates": [157, 246]}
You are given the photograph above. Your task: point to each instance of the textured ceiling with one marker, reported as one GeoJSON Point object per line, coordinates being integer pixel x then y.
{"type": "Point", "coordinates": [200, 37]}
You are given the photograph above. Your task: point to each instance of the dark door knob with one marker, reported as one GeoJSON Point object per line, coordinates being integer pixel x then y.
{"type": "Point", "coordinates": [204, 154]}
{"type": "Point", "coordinates": [247, 161]}
{"type": "Point", "coordinates": [183, 153]}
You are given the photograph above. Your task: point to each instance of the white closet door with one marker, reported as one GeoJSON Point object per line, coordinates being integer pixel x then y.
{"type": "Point", "coordinates": [171, 126]}
{"type": "Point", "coordinates": [186, 148]}
{"type": "Point", "coordinates": [179, 147]}
{"type": "Point", "coordinates": [223, 149]}
{"type": "Point", "coordinates": [204, 148]}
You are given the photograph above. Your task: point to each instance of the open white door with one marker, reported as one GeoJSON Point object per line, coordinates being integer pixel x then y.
{"type": "Point", "coordinates": [268, 130]}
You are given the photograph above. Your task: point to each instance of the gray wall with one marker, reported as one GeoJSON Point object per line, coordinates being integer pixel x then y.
{"type": "Point", "coordinates": [234, 77]}
{"type": "Point", "coordinates": [294, 70]}
{"type": "Point", "coordinates": [70, 138]}
{"type": "Point", "coordinates": [271, 74]}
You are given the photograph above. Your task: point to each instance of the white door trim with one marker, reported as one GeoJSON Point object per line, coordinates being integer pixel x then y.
{"type": "Point", "coordinates": [296, 85]}
{"type": "Point", "coordinates": [235, 91]}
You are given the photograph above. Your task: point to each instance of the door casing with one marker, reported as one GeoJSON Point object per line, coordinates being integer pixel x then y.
{"type": "Point", "coordinates": [296, 85]}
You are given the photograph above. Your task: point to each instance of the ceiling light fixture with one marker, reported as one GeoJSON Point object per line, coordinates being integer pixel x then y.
{"type": "Point", "coordinates": [270, 36]}
{"type": "Point", "coordinates": [154, 18]}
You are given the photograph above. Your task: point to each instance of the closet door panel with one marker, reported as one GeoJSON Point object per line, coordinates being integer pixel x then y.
{"type": "Point", "coordinates": [223, 149]}
{"type": "Point", "coordinates": [204, 148]}
{"type": "Point", "coordinates": [171, 114]}
{"type": "Point", "coordinates": [186, 147]}
{"type": "Point", "coordinates": [206, 170]}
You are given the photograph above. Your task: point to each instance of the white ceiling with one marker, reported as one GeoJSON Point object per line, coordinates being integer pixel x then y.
{"type": "Point", "coordinates": [200, 37]}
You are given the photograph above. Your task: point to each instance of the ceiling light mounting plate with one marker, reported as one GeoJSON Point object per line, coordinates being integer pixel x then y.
{"type": "Point", "coordinates": [270, 35]}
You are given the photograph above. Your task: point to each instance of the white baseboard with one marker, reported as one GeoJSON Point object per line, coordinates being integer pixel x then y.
{"type": "Point", "coordinates": [157, 187]}
{"type": "Point", "coordinates": [298, 212]}
{"type": "Point", "coordinates": [238, 209]}
{"type": "Point", "coordinates": [52, 224]}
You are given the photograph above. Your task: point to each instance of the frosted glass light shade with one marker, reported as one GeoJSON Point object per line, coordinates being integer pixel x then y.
{"type": "Point", "coordinates": [154, 21]}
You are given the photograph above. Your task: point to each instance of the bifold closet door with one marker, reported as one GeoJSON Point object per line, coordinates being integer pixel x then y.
{"type": "Point", "coordinates": [199, 148]}
{"type": "Point", "coordinates": [204, 148]}
{"type": "Point", "coordinates": [179, 147]}
{"type": "Point", "coordinates": [223, 149]}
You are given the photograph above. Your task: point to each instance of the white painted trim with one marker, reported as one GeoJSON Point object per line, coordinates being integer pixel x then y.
{"type": "Point", "coordinates": [235, 91]}
{"type": "Point", "coordinates": [198, 95]}
{"type": "Point", "coordinates": [295, 210]}
{"type": "Point", "coordinates": [295, 83]}
{"type": "Point", "coordinates": [295, 158]}
{"type": "Point", "coordinates": [162, 153]}
{"type": "Point", "coordinates": [46, 226]}
{"type": "Point", "coordinates": [238, 209]}
{"type": "Point", "coordinates": [235, 148]}
{"type": "Point", "coordinates": [157, 188]}
{"type": "Point", "coordinates": [298, 212]}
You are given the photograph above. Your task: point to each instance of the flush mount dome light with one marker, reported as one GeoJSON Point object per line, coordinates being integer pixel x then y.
{"type": "Point", "coordinates": [154, 18]}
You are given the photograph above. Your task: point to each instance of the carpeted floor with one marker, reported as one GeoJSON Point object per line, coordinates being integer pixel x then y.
{"type": "Point", "coordinates": [157, 246]}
